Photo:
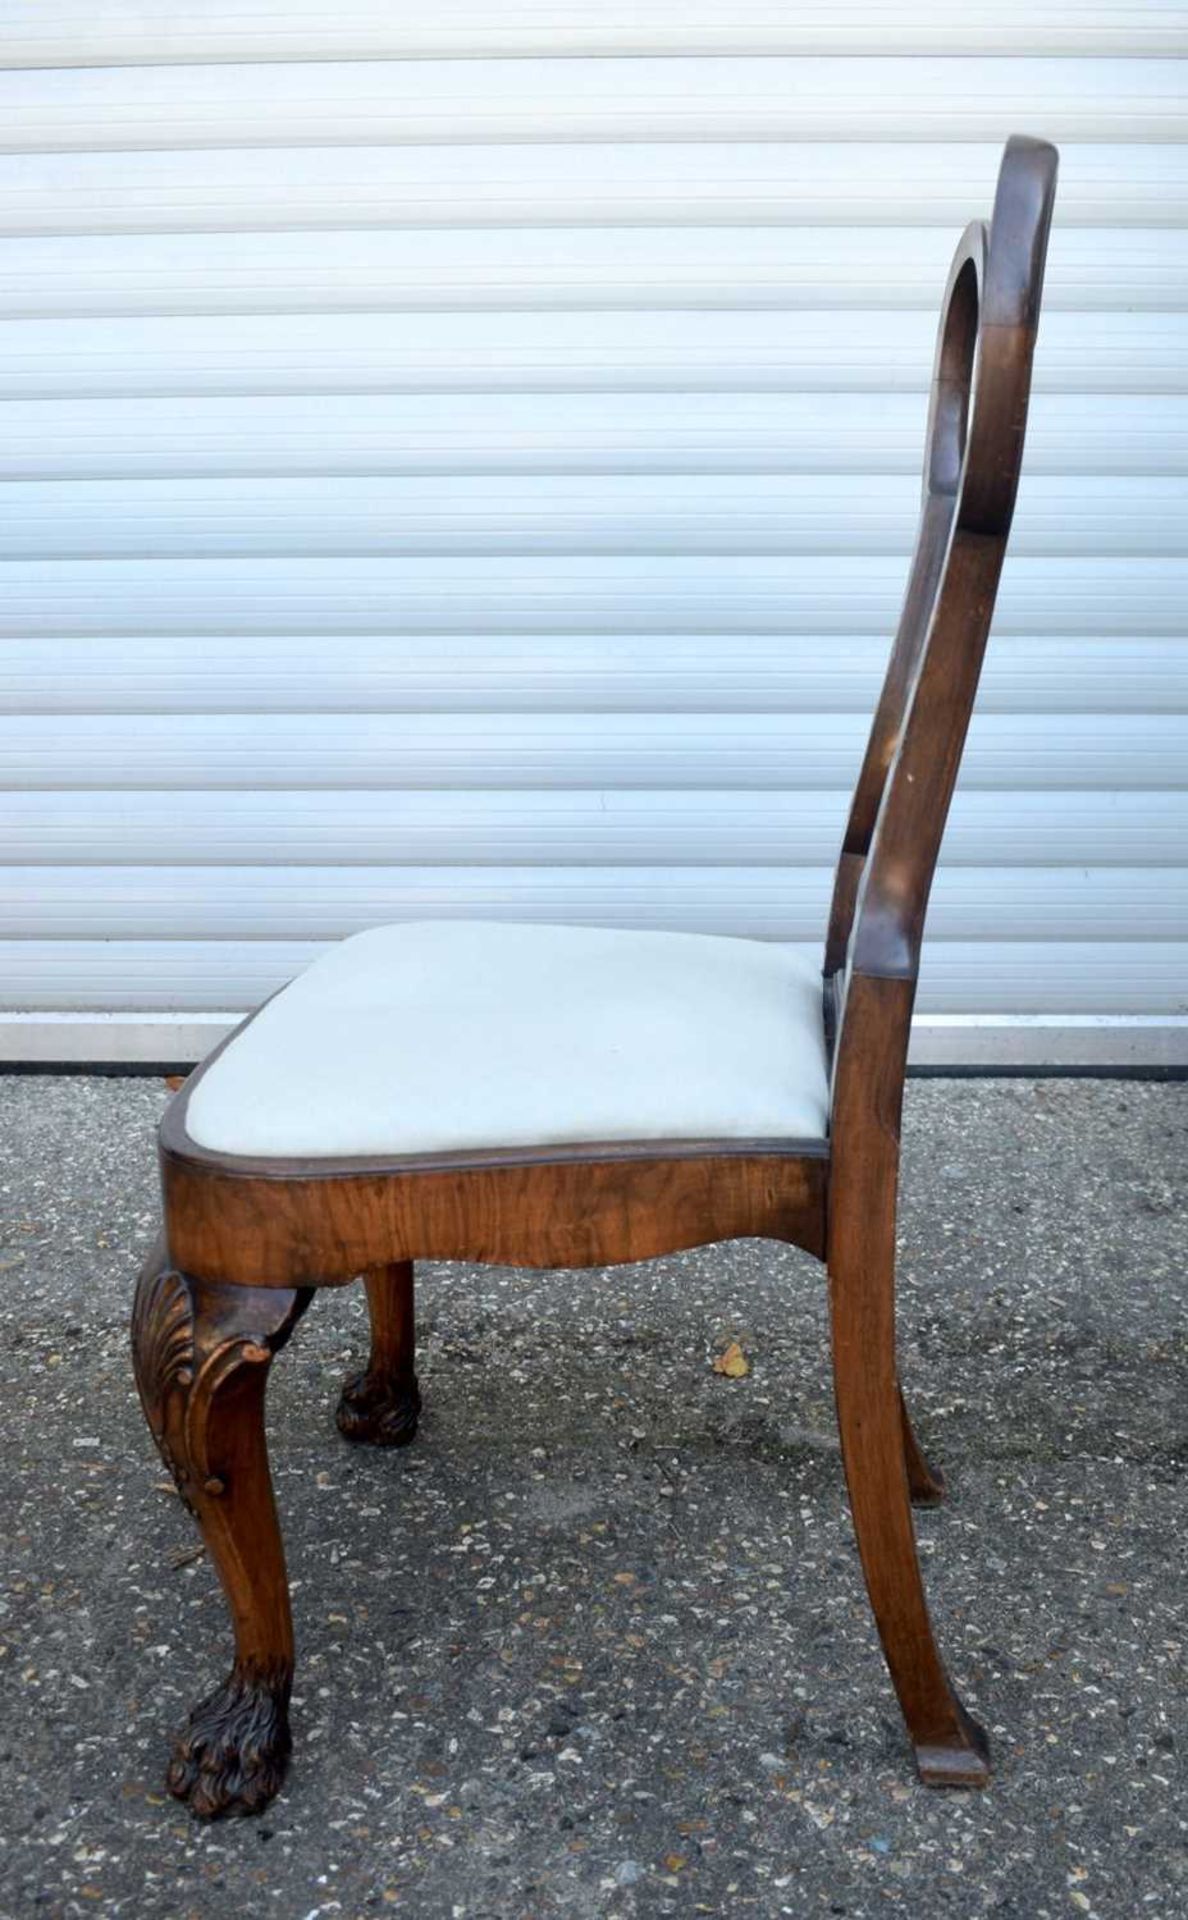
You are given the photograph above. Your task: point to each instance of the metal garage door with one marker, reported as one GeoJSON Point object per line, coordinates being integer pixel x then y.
{"type": "Point", "coordinates": [462, 460]}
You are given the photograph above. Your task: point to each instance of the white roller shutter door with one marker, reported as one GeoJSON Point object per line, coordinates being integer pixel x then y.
{"type": "Point", "coordinates": [462, 460]}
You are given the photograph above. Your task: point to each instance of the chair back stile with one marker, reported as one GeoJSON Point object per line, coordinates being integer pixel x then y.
{"type": "Point", "coordinates": [974, 446]}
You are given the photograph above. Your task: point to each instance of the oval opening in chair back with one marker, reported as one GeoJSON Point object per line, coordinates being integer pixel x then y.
{"type": "Point", "coordinates": [948, 417]}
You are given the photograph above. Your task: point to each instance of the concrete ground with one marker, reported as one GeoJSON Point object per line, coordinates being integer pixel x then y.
{"type": "Point", "coordinates": [597, 1644]}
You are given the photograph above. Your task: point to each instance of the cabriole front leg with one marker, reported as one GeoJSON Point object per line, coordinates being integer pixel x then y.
{"type": "Point", "coordinates": [381, 1405]}
{"type": "Point", "coordinates": [202, 1355]}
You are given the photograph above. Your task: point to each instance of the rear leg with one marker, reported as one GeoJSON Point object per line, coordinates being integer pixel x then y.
{"type": "Point", "coordinates": [951, 1749]}
{"type": "Point", "coordinates": [926, 1482]}
{"type": "Point", "coordinates": [880, 1455]}
{"type": "Point", "coordinates": [380, 1406]}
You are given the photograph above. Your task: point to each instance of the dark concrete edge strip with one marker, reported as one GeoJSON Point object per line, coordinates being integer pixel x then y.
{"type": "Point", "coordinates": [150, 1069]}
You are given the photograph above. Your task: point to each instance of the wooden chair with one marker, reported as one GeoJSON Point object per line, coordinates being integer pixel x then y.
{"type": "Point", "coordinates": [576, 1097]}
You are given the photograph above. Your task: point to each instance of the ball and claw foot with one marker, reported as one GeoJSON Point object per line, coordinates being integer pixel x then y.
{"type": "Point", "coordinates": [378, 1411]}
{"type": "Point", "coordinates": [232, 1754]}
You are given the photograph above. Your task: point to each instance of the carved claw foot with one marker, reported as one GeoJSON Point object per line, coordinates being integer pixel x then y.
{"type": "Point", "coordinates": [231, 1756]}
{"type": "Point", "coordinates": [378, 1411]}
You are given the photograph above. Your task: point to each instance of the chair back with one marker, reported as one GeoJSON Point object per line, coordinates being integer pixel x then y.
{"type": "Point", "coordinates": [973, 454]}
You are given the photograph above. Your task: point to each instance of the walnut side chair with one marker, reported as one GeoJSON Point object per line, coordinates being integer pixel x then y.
{"type": "Point", "coordinates": [569, 1097]}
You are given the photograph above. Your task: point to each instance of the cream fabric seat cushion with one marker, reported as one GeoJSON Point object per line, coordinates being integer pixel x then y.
{"type": "Point", "coordinates": [441, 1035]}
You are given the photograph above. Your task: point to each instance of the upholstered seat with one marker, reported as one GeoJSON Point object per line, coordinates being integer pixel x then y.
{"type": "Point", "coordinates": [447, 1035]}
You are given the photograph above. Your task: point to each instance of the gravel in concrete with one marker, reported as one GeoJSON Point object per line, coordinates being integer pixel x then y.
{"type": "Point", "coordinates": [597, 1644]}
